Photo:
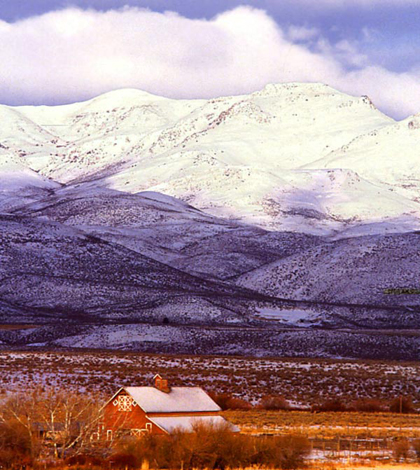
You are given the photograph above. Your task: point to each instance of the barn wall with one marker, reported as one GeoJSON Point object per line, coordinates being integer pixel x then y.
{"type": "Point", "coordinates": [130, 418]}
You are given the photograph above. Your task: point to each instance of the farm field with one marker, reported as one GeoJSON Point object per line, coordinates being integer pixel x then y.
{"type": "Point", "coordinates": [327, 425]}
{"type": "Point", "coordinates": [351, 437]}
{"type": "Point", "coordinates": [303, 382]}
{"type": "Point", "coordinates": [337, 437]}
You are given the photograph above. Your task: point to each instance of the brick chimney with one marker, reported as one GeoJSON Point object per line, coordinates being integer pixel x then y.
{"type": "Point", "coordinates": [161, 384]}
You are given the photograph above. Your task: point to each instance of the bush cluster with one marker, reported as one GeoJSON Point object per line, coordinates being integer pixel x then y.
{"type": "Point", "coordinates": [367, 405]}
{"type": "Point", "coordinates": [226, 401]}
{"type": "Point", "coordinates": [212, 447]}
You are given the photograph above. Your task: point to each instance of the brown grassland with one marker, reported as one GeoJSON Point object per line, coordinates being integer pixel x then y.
{"type": "Point", "coordinates": [327, 425]}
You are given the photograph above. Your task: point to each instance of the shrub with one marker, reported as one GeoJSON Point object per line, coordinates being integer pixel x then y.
{"type": "Point", "coordinates": [14, 443]}
{"type": "Point", "coordinates": [269, 402]}
{"type": "Point", "coordinates": [401, 405]}
{"type": "Point", "coordinates": [331, 405]}
{"type": "Point", "coordinates": [416, 446]}
{"type": "Point", "coordinates": [211, 446]}
{"type": "Point", "coordinates": [84, 459]}
{"type": "Point", "coordinates": [208, 446]}
{"type": "Point", "coordinates": [123, 460]}
{"type": "Point", "coordinates": [238, 404]}
{"type": "Point", "coordinates": [227, 402]}
{"type": "Point", "coordinates": [285, 452]}
{"type": "Point", "coordinates": [152, 448]}
{"type": "Point", "coordinates": [10, 458]}
{"type": "Point", "coordinates": [293, 450]}
{"type": "Point", "coordinates": [369, 405]}
{"type": "Point", "coordinates": [401, 449]}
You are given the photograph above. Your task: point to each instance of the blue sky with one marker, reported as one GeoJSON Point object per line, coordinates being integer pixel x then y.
{"type": "Point", "coordinates": [359, 46]}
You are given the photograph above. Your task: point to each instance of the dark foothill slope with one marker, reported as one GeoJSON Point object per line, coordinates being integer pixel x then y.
{"type": "Point", "coordinates": [51, 271]}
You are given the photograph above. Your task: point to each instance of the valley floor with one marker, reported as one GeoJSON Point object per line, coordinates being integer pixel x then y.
{"type": "Point", "coordinates": [302, 381]}
{"type": "Point", "coordinates": [339, 440]}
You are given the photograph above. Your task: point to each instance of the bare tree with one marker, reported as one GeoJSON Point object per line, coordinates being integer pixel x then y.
{"type": "Point", "coordinates": [64, 423]}
{"type": "Point", "coordinates": [18, 417]}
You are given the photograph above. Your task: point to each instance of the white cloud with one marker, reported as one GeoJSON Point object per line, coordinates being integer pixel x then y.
{"type": "Point", "coordinates": [74, 54]}
{"type": "Point", "coordinates": [301, 33]}
{"type": "Point", "coordinates": [344, 51]}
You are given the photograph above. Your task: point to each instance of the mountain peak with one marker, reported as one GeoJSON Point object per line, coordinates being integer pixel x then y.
{"type": "Point", "coordinates": [275, 89]}
{"type": "Point", "coordinates": [123, 97]}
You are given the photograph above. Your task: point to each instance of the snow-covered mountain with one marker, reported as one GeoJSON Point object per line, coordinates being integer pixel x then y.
{"type": "Point", "coordinates": [389, 157]}
{"type": "Point", "coordinates": [231, 219]}
{"type": "Point", "coordinates": [300, 157]}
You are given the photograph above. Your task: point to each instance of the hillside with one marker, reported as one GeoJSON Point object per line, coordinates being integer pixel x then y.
{"type": "Point", "coordinates": [387, 156]}
{"type": "Point", "coordinates": [358, 270]}
{"type": "Point", "coordinates": [51, 272]}
{"type": "Point", "coordinates": [238, 157]}
{"type": "Point", "coordinates": [284, 222]}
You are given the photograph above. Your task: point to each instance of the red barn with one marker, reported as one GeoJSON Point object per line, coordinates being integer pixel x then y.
{"type": "Point", "coordinates": [158, 409]}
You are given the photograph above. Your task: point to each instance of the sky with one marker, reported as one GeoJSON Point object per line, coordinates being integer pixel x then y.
{"type": "Point", "coordinates": [56, 51]}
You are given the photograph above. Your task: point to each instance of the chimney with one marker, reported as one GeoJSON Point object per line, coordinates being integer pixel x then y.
{"type": "Point", "coordinates": [161, 384]}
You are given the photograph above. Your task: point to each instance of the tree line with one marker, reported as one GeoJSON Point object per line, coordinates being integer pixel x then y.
{"type": "Point", "coordinates": [398, 404]}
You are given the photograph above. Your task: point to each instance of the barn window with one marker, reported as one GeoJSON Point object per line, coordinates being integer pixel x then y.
{"type": "Point", "coordinates": [109, 435]}
{"type": "Point", "coordinates": [149, 427]}
{"type": "Point", "coordinates": [124, 403]}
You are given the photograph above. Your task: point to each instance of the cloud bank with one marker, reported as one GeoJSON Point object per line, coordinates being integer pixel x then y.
{"type": "Point", "coordinates": [74, 54]}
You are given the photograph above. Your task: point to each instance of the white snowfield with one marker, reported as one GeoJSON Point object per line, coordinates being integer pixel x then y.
{"type": "Point", "coordinates": [300, 157]}
{"type": "Point", "coordinates": [178, 400]}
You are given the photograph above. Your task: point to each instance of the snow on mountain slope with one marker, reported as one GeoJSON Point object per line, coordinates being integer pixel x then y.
{"type": "Point", "coordinates": [126, 111]}
{"type": "Point", "coordinates": [16, 129]}
{"type": "Point", "coordinates": [358, 270]}
{"type": "Point", "coordinates": [233, 164]}
{"type": "Point", "coordinates": [341, 194]}
{"type": "Point", "coordinates": [237, 157]}
{"type": "Point", "coordinates": [20, 185]}
{"type": "Point", "coordinates": [389, 156]}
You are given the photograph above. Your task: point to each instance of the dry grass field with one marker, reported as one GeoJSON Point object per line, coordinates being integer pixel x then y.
{"type": "Point", "coordinates": [352, 438]}
{"type": "Point", "coordinates": [328, 425]}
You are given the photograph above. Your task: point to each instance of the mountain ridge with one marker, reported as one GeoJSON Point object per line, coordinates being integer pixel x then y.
{"type": "Point", "coordinates": [211, 152]}
{"type": "Point", "coordinates": [258, 221]}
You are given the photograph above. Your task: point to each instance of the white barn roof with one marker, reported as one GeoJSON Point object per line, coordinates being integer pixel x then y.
{"type": "Point", "coordinates": [178, 400]}
{"type": "Point", "coordinates": [186, 423]}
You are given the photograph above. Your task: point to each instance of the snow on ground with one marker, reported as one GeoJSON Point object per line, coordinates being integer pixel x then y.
{"type": "Point", "coordinates": [117, 337]}
{"type": "Point", "coordinates": [291, 317]}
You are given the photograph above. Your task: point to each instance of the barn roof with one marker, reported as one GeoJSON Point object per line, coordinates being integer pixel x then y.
{"type": "Point", "coordinates": [186, 423]}
{"type": "Point", "coordinates": [178, 400]}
